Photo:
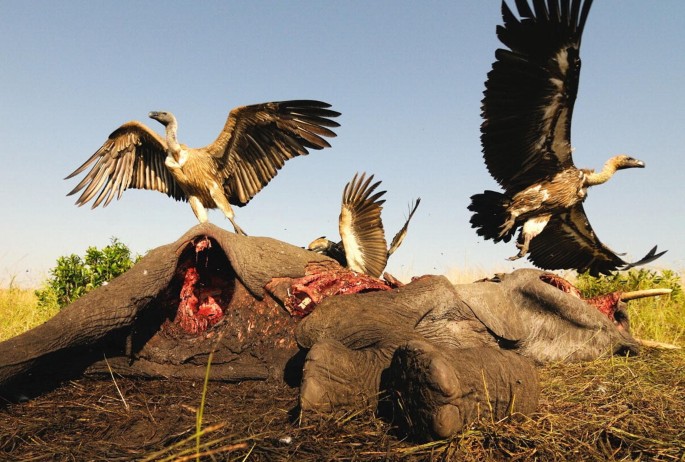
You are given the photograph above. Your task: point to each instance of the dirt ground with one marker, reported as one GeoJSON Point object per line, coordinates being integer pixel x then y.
{"type": "Point", "coordinates": [87, 419]}
{"type": "Point", "coordinates": [615, 409]}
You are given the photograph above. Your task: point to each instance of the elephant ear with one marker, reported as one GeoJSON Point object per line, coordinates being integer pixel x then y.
{"type": "Point", "coordinates": [497, 312]}
{"type": "Point", "coordinates": [540, 301]}
{"type": "Point", "coordinates": [502, 319]}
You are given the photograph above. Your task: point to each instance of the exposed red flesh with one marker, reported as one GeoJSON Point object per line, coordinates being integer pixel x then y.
{"type": "Point", "coordinates": [607, 304]}
{"type": "Point", "coordinates": [321, 281]}
{"type": "Point", "coordinates": [201, 300]}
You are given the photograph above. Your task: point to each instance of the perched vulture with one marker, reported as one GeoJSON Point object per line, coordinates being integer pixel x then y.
{"type": "Point", "coordinates": [526, 137]}
{"type": "Point", "coordinates": [253, 145]}
{"type": "Point", "coordinates": [363, 247]}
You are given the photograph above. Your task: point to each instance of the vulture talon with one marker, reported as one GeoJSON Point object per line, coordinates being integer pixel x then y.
{"type": "Point", "coordinates": [238, 229]}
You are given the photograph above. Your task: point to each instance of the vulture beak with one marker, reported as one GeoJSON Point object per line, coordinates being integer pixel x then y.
{"type": "Point", "coordinates": [634, 163]}
{"type": "Point", "coordinates": [163, 118]}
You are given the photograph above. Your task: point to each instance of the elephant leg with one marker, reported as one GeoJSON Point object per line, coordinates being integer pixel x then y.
{"type": "Point", "coordinates": [335, 376]}
{"type": "Point", "coordinates": [440, 391]}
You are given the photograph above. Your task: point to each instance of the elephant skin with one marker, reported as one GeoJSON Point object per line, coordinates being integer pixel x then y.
{"type": "Point", "coordinates": [449, 353]}
{"type": "Point", "coordinates": [444, 354]}
{"type": "Point", "coordinates": [129, 321]}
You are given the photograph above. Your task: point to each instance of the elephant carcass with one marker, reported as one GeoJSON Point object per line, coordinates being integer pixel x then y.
{"type": "Point", "coordinates": [211, 290]}
{"type": "Point", "coordinates": [447, 353]}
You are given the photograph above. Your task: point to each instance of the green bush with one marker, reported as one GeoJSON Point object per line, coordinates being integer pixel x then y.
{"type": "Point", "coordinates": [655, 318]}
{"type": "Point", "coordinates": [636, 279]}
{"type": "Point", "coordinates": [74, 276]}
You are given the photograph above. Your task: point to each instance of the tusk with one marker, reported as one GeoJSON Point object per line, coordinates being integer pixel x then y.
{"type": "Point", "coordinates": [626, 296]}
{"type": "Point", "coordinates": [660, 345]}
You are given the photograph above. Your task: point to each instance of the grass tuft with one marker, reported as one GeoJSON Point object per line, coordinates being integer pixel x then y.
{"type": "Point", "coordinates": [19, 312]}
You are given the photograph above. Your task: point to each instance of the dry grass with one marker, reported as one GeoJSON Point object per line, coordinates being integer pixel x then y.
{"type": "Point", "coordinates": [18, 312]}
{"type": "Point", "coordinates": [613, 409]}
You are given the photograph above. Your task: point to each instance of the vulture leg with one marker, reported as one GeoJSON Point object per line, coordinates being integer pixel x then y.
{"type": "Point", "coordinates": [198, 209]}
{"type": "Point", "coordinates": [531, 228]}
{"type": "Point", "coordinates": [523, 249]}
{"type": "Point", "coordinates": [236, 228]}
{"type": "Point", "coordinates": [223, 204]}
{"type": "Point", "coordinates": [507, 225]}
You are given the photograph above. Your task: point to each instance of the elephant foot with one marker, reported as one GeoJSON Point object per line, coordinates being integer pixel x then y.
{"type": "Point", "coordinates": [335, 376]}
{"type": "Point", "coordinates": [440, 391]}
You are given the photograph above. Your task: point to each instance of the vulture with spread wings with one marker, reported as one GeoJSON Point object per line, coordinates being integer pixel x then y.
{"type": "Point", "coordinates": [363, 247]}
{"type": "Point", "coordinates": [253, 145]}
{"type": "Point", "coordinates": [526, 137]}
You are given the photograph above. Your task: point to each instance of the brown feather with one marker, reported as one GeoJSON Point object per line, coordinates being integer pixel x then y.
{"type": "Point", "coordinates": [253, 145]}
{"type": "Point", "coordinates": [131, 148]}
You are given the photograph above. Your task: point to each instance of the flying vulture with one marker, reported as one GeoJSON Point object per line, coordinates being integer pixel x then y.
{"type": "Point", "coordinates": [363, 247]}
{"type": "Point", "coordinates": [253, 145]}
{"type": "Point", "coordinates": [526, 138]}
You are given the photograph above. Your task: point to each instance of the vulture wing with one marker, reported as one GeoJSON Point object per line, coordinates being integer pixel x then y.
{"type": "Point", "coordinates": [361, 228]}
{"type": "Point", "coordinates": [568, 242]}
{"type": "Point", "coordinates": [530, 92]}
{"type": "Point", "coordinates": [257, 140]}
{"type": "Point", "coordinates": [132, 157]}
{"type": "Point", "coordinates": [402, 233]}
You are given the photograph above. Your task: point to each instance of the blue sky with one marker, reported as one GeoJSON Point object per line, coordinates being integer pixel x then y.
{"type": "Point", "coordinates": [407, 76]}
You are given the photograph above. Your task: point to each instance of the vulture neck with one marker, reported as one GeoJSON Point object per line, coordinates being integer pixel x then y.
{"type": "Point", "coordinates": [173, 147]}
{"type": "Point", "coordinates": [594, 178]}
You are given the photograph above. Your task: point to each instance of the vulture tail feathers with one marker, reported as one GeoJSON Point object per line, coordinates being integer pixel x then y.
{"type": "Point", "coordinates": [490, 211]}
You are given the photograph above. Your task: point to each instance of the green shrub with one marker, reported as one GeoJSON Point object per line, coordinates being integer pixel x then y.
{"type": "Point", "coordinates": [636, 279]}
{"type": "Point", "coordinates": [654, 318]}
{"type": "Point", "coordinates": [74, 276]}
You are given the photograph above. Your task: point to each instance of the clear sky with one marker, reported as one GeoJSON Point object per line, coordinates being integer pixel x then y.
{"type": "Point", "coordinates": [408, 78]}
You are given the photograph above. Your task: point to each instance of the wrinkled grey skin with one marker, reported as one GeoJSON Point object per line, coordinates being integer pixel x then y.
{"type": "Point", "coordinates": [460, 343]}
{"type": "Point", "coordinates": [121, 321]}
{"type": "Point", "coordinates": [445, 353]}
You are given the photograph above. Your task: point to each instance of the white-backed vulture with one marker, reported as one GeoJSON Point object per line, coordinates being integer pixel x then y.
{"type": "Point", "coordinates": [254, 144]}
{"type": "Point", "coordinates": [363, 247]}
{"type": "Point", "coordinates": [526, 137]}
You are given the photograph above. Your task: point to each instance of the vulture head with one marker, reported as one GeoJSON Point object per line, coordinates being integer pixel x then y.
{"type": "Point", "coordinates": [164, 118]}
{"type": "Point", "coordinates": [622, 161]}
{"type": "Point", "coordinates": [321, 245]}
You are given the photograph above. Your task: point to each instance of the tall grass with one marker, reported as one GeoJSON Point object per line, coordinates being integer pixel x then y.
{"type": "Point", "coordinates": [662, 318]}
{"type": "Point", "coordinates": [19, 312]}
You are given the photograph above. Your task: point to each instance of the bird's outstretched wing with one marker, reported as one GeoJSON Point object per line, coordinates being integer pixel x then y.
{"type": "Point", "coordinates": [257, 140]}
{"type": "Point", "coordinates": [568, 242]}
{"type": "Point", "coordinates": [361, 228]}
{"type": "Point", "coordinates": [402, 233]}
{"type": "Point", "coordinates": [530, 91]}
{"type": "Point", "coordinates": [132, 157]}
